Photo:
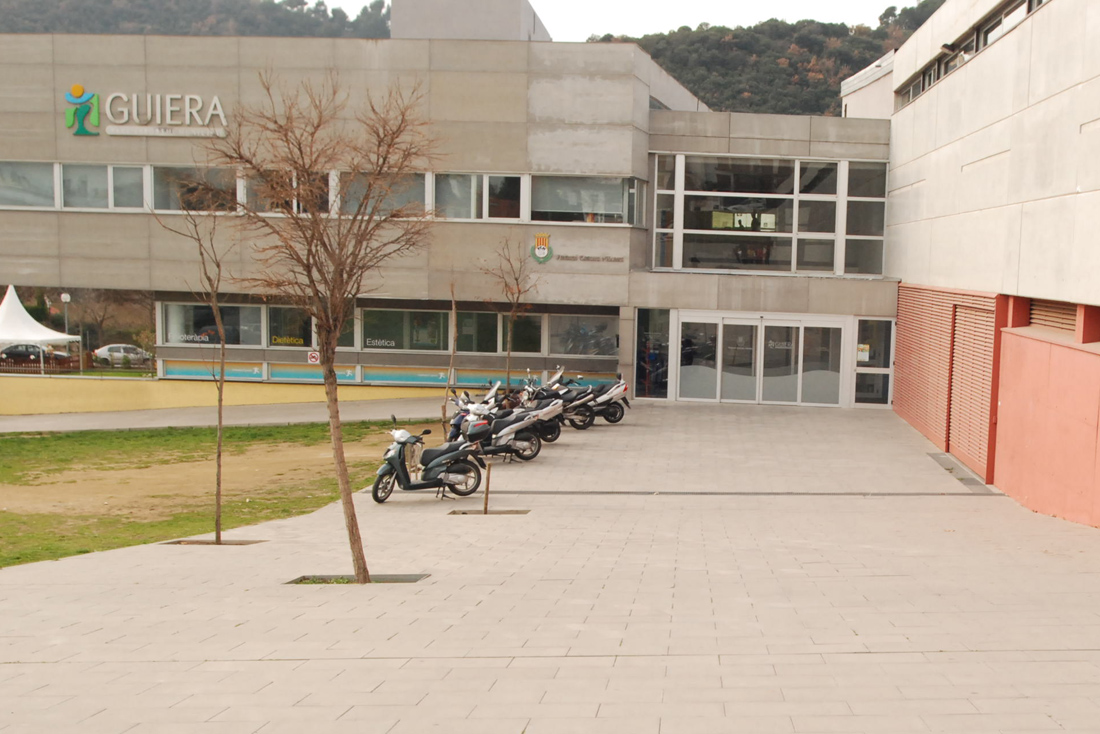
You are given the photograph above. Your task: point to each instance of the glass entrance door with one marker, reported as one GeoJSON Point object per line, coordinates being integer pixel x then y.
{"type": "Point", "coordinates": [698, 360]}
{"type": "Point", "coordinates": [739, 373]}
{"type": "Point", "coordinates": [780, 369]}
{"type": "Point", "coordinates": [759, 360]}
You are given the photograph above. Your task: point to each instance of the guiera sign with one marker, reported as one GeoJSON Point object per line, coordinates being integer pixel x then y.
{"type": "Point", "coordinates": [147, 115]}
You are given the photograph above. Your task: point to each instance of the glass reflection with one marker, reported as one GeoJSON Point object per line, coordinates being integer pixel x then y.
{"type": "Point", "coordinates": [739, 362]}
{"type": "Point", "coordinates": [698, 364]}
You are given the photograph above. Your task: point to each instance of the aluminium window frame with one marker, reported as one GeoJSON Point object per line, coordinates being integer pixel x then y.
{"type": "Point", "coordinates": [838, 236]}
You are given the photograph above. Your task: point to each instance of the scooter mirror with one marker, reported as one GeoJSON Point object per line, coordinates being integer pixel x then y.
{"type": "Point", "coordinates": [466, 394]}
{"type": "Point", "coordinates": [453, 392]}
{"type": "Point", "coordinates": [426, 432]}
{"type": "Point", "coordinates": [394, 419]}
{"type": "Point", "coordinates": [580, 377]}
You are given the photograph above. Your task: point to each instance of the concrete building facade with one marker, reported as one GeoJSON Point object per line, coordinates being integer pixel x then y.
{"type": "Point", "coordinates": [755, 242]}
{"type": "Point", "coordinates": [992, 231]}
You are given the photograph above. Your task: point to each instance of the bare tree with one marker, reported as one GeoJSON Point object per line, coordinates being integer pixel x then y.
{"type": "Point", "coordinates": [512, 273]}
{"type": "Point", "coordinates": [451, 363]}
{"type": "Point", "coordinates": [326, 207]}
{"type": "Point", "coordinates": [201, 227]}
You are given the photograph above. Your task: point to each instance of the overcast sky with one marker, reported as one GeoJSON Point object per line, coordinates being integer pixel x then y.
{"type": "Point", "coordinates": [576, 20]}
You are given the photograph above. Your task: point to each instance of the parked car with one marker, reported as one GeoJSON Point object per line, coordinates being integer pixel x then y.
{"type": "Point", "coordinates": [115, 354]}
{"type": "Point", "coordinates": [31, 353]}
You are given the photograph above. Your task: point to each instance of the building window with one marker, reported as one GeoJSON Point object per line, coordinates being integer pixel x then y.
{"type": "Point", "coordinates": [651, 367]}
{"type": "Point", "coordinates": [502, 197]}
{"type": "Point", "coordinates": [720, 252]}
{"type": "Point", "coordinates": [477, 332]}
{"type": "Point", "coordinates": [818, 178]}
{"type": "Point", "coordinates": [84, 187]}
{"type": "Point", "coordinates": [102, 187]}
{"type": "Point", "coordinates": [477, 196]}
{"type": "Point", "coordinates": [195, 189]}
{"type": "Point", "coordinates": [863, 257]}
{"type": "Point", "coordinates": [867, 218]}
{"type": "Point", "coordinates": [191, 324]}
{"type": "Point", "coordinates": [790, 229]}
{"type": "Point", "coordinates": [816, 255]}
{"type": "Point", "coordinates": [584, 335]}
{"type": "Point", "coordinates": [289, 327]}
{"type": "Point", "coordinates": [867, 180]}
{"type": "Point", "coordinates": [346, 340]}
{"type": "Point", "coordinates": [401, 192]}
{"type": "Point", "coordinates": [26, 184]}
{"type": "Point", "coordinates": [739, 175]}
{"type": "Point", "coordinates": [738, 214]}
{"type": "Point", "coordinates": [410, 330]}
{"type": "Point", "coordinates": [458, 196]}
{"type": "Point", "coordinates": [128, 187]}
{"type": "Point", "coordinates": [666, 172]}
{"type": "Point", "coordinates": [527, 334]}
{"type": "Point", "coordinates": [816, 216]}
{"type": "Point", "coordinates": [583, 199]}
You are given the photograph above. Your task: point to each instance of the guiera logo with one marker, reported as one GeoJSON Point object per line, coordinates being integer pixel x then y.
{"type": "Point", "coordinates": [541, 251]}
{"type": "Point", "coordinates": [84, 112]}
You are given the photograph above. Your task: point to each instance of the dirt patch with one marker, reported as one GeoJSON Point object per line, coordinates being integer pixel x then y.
{"type": "Point", "coordinates": [156, 492]}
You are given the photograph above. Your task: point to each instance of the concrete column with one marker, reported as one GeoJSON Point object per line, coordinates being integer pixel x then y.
{"type": "Point", "coordinates": [1088, 324]}
{"type": "Point", "coordinates": [627, 348]}
{"type": "Point", "coordinates": [1019, 312]}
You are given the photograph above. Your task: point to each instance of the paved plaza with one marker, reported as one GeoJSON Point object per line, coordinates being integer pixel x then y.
{"type": "Point", "coordinates": [697, 569]}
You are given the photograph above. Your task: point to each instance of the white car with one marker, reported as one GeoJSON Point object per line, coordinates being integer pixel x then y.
{"type": "Point", "coordinates": [115, 354]}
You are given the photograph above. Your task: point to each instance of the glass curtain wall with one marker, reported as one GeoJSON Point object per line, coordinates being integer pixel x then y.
{"type": "Point", "coordinates": [768, 215]}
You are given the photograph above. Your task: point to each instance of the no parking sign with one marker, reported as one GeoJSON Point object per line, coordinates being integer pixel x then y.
{"type": "Point", "coordinates": [314, 358]}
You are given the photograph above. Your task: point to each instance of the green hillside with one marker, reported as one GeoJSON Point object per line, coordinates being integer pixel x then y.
{"type": "Point", "coordinates": [193, 18]}
{"type": "Point", "coordinates": [774, 66]}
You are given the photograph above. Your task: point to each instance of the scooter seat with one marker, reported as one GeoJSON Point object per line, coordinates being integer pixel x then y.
{"type": "Point", "coordinates": [542, 404]}
{"type": "Point", "coordinates": [602, 389]}
{"type": "Point", "coordinates": [502, 423]}
{"type": "Point", "coordinates": [427, 456]}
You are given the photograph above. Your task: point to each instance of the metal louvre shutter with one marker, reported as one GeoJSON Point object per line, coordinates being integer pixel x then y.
{"type": "Point", "coordinates": [949, 404]}
{"type": "Point", "coordinates": [1055, 314]}
{"type": "Point", "coordinates": [971, 387]}
{"type": "Point", "coordinates": [923, 351]}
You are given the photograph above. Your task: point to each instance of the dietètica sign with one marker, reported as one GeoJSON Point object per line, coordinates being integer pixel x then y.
{"type": "Point", "coordinates": [145, 115]}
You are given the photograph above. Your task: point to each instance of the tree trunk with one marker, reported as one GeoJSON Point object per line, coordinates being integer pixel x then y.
{"type": "Point", "coordinates": [359, 561]}
{"type": "Point", "coordinates": [221, 421]}
{"type": "Point", "coordinates": [508, 358]}
{"type": "Point", "coordinates": [451, 363]}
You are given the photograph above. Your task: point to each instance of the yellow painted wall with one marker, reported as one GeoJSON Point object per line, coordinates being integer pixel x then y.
{"type": "Point", "coordinates": [38, 394]}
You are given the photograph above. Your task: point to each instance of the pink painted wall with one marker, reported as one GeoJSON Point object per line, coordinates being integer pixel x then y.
{"type": "Point", "coordinates": [1048, 441]}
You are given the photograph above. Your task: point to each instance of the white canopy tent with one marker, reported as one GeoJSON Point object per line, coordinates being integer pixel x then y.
{"type": "Point", "coordinates": [18, 327]}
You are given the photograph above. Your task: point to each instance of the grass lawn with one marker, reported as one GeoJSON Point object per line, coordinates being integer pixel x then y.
{"type": "Point", "coordinates": [29, 462]}
{"type": "Point", "coordinates": [26, 456]}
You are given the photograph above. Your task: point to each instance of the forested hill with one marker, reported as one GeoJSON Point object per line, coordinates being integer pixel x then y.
{"type": "Point", "coordinates": [193, 18]}
{"type": "Point", "coordinates": [774, 66]}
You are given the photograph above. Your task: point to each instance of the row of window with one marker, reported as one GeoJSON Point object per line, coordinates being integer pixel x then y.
{"type": "Point", "coordinates": [466, 196]}
{"type": "Point", "coordinates": [398, 330]}
{"type": "Point", "coordinates": [1004, 19]}
{"type": "Point", "coordinates": [777, 215]}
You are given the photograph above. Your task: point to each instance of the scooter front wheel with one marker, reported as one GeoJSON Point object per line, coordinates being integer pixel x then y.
{"type": "Point", "coordinates": [614, 413]}
{"type": "Point", "coordinates": [550, 431]}
{"type": "Point", "coordinates": [528, 445]}
{"type": "Point", "coordinates": [468, 477]}
{"type": "Point", "coordinates": [383, 487]}
{"type": "Point", "coordinates": [582, 419]}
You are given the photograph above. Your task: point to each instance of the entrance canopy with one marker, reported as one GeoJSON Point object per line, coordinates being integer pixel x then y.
{"type": "Point", "coordinates": [18, 327]}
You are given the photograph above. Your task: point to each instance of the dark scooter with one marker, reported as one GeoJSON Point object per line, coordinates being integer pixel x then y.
{"type": "Point", "coordinates": [446, 468]}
